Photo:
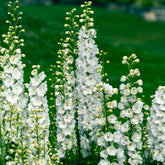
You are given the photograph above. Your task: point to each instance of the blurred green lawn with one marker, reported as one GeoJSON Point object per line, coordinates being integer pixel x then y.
{"type": "Point", "coordinates": [118, 33]}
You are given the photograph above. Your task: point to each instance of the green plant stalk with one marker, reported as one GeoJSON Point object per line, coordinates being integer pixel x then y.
{"type": "Point", "coordinates": [38, 150]}
{"type": "Point", "coordinates": [2, 151]}
{"type": "Point", "coordinates": [10, 126]}
{"type": "Point", "coordinates": [104, 99]}
{"type": "Point", "coordinates": [22, 148]}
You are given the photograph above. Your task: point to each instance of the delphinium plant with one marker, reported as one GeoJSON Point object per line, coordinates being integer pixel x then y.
{"type": "Point", "coordinates": [14, 99]}
{"type": "Point", "coordinates": [65, 101]}
{"type": "Point", "coordinates": [156, 126]}
{"type": "Point", "coordinates": [110, 150]}
{"type": "Point", "coordinates": [133, 122]}
{"type": "Point", "coordinates": [38, 118]}
{"type": "Point", "coordinates": [24, 117]}
{"type": "Point", "coordinates": [88, 77]}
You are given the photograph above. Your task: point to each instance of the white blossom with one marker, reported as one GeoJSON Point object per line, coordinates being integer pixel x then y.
{"type": "Point", "coordinates": [156, 125]}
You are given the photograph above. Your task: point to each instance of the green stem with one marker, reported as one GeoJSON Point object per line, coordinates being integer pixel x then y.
{"type": "Point", "coordinates": [38, 150]}
{"type": "Point", "coordinates": [2, 151]}
{"type": "Point", "coordinates": [22, 148]}
{"type": "Point", "coordinates": [104, 99]}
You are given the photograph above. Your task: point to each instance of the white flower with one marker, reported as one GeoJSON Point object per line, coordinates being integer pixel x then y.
{"type": "Point", "coordinates": [8, 81]}
{"type": "Point", "coordinates": [120, 153]}
{"type": "Point", "coordinates": [112, 119]}
{"type": "Point", "coordinates": [131, 146]}
{"type": "Point", "coordinates": [126, 92]}
{"type": "Point", "coordinates": [61, 153]}
{"type": "Point", "coordinates": [60, 137]}
{"type": "Point", "coordinates": [18, 51]}
{"type": "Point", "coordinates": [125, 140]}
{"type": "Point", "coordinates": [67, 144]}
{"type": "Point", "coordinates": [85, 142]}
{"type": "Point", "coordinates": [68, 104]}
{"type": "Point", "coordinates": [117, 137]}
{"type": "Point", "coordinates": [104, 154]}
{"type": "Point", "coordinates": [68, 117]}
{"type": "Point", "coordinates": [101, 141]}
{"type": "Point", "coordinates": [158, 155]}
{"type": "Point", "coordinates": [62, 124]}
{"type": "Point", "coordinates": [42, 161]}
{"type": "Point", "coordinates": [137, 107]}
{"type": "Point", "coordinates": [41, 90]}
{"type": "Point", "coordinates": [35, 81]}
{"type": "Point", "coordinates": [123, 79]}
{"type": "Point", "coordinates": [125, 127]}
{"type": "Point", "coordinates": [140, 89]}
{"type": "Point", "coordinates": [108, 136]}
{"type": "Point", "coordinates": [114, 163]}
{"type": "Point", "coordinates": [133, 161]}
{"type": "Point", "coordinates": [12, 98]}
{"type": "Point", "coordinates": [134, 91]}
{"type": "Point", "coordinates": [104, 162]}
{"type": "Point", "coordinates": [42, 76]}
{"type": "Point", "coordinates": [32, 90]}
{"type": "Point", "coordinates": [129, 113]}
{"type": "Point", "coordinates": [36, 101]}
{"type": "Point", "coordinates": [14, 59]}
{"type": "Point", "coordinates": [117, 125]}
{"type": "Point", "coordinates": [140, 82]}
{"type": "Point", "coordinates": [122, 86]}
{"type": "Point", "coordinates": [10, 163]}
{"type": "Point", "coordinates": [34, 72]}
{"type": "Point", "coordinates": [134, 120]}
{"type": "Point", "coordinates": [8, 68]}
{"type": "Point", "coordinates": [17, 89]}
{"type": "Point", "coordinates": [136, 137]}
{"type": "Point", "coordinates": [16, 73]}
{"type": "Point", "coordinates": [92, 32]}
{"type": "Point", "coordinates": [108, 89]}
{"type": "Point", "coordinates": [111, 150]}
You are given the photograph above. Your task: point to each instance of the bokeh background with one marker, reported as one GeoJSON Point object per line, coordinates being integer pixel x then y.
{"type": "Point", "coordinates": [123, 27]}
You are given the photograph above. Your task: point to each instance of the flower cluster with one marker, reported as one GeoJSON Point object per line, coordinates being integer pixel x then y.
{"type": "Point", "coordinates": [156, 127]}
{"type": "Point", "coordinates": [131, 112]}
{"type": "Point", "coordinates": [13, 96]}
{"type": "Point", "coordinates": [109, 142]}
{"type": "Point", "coordinates": [88, 76]}
{"type": "Point", "coordinates": [64, 90]}
{"type": "Point", "coordinates": [85, 118]}
{"type": "Point", "coordinates": [38, 118]}
{"type": "Point", "coordinates": [24, 129]}
{"type": "Point", "coordinates": [12, 68]}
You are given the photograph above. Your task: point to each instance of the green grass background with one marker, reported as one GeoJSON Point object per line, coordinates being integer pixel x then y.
{"type": "Point", "coordinates": [118, 33]}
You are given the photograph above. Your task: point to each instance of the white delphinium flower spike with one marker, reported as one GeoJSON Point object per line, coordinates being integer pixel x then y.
{"type": "Point", "coordinates": [156, 126]}
{"type": "Point", "coordinates": [12, 79]}
{"type": "Point", "coordinates": [88, 75]}
{"type": "Point", "coordinates": [111, 151]}
{"type": "Point", "coordinates": [38, 121]}
{"type": "Point", "coordinates": [132, 113]}
{"type": "Point", "coordinates": [64, 91]}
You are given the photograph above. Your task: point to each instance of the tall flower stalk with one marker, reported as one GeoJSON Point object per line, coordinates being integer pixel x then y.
{"type": "Point", "coordinates": [156, 126]}
{"type": "Point", "coordinates": [88, 75]}
{"type": "Point", "coordinates": [14, 99]}
{"type": "Point", "coordinates": [38, 120]}
{"type": "Point", "coordinates": [65, 104]}
{"type": "Point", "coordinates": [109, 142]}
{"type": "Point", "coordinates": [132, 112]}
